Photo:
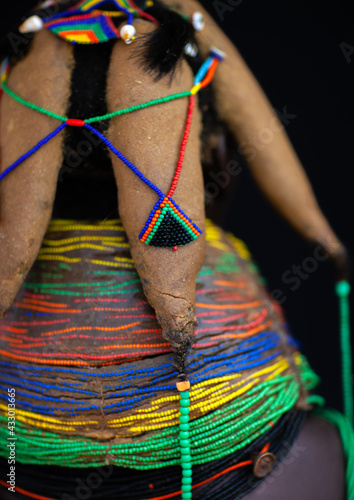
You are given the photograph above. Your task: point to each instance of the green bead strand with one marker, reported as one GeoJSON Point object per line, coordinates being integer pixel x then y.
{"type": "Point", "coordinates": [94, 119]}
{"type": "Point", "coordinates": [342, 291]}
{"type": "Point", "coordinates": [138, 106]}
{"type": "Point", "coordinates": [185, 446]}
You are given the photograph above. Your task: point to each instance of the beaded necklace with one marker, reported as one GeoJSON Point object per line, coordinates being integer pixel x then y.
{"type": "Point", "coordinates": [167, 224]}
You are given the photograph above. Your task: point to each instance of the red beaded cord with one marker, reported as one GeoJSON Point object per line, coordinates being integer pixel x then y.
{"type": "Point", "coordinates": [183, 146]}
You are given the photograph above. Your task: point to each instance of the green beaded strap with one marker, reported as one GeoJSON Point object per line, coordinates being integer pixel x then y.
{"type": "Point", "coordinates": [94, 119]}
{"type": "Point", "coordinates": [184, 442]}
{"type": "Point", "coordinates": [342, 291]}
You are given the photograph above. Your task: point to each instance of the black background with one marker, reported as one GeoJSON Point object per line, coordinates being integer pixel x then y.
{"type": "Point", "coordinates": [295, 49]}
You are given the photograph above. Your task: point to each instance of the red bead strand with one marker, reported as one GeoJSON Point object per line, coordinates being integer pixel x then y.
{"type": "Point", "coordinates": [183, 146]}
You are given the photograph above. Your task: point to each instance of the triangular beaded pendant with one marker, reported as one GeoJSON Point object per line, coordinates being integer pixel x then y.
{"type": "Point", "coordinates": [168, 226]}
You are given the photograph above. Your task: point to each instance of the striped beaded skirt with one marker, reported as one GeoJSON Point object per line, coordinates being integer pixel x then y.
{"type": "Point", "coordinates": [94, 380]}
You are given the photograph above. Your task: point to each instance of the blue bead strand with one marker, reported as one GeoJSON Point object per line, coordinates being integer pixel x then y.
{"type": "Point", "coordinates": [32, 151]}
{"type": "Point", "coordinates": [125, 160]}
{"type": "Point", "coordinates": [203, 70]}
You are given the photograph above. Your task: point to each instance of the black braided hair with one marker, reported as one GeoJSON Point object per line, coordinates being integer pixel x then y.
{"type": "Point", "coordinates": [164, 48]}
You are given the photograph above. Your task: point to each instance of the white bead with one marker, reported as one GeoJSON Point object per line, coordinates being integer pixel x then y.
{"type": "Point", "coordinates": [127, 32]}
{"type": "Point", "coordinates": [218, 52]}
{"type": "Point", "coordinates": [32, 24]}
{"type": "Point", "coordinates": [46, 4]}
{"type": "Point", "coordinates": [191, 49]}
{"type": "Point", "coordinates": [198, 21]}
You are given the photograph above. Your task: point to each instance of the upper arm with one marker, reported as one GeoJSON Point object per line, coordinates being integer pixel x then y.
{"type": "Point", "coordinates": [27, 193]}
{"type": "Point", "coordinates": [151, 139]}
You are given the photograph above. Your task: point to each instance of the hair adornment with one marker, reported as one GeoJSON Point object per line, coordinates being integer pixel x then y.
{"type": "Point", "coordinates": [127, 33]}
{"type": "Point", "coordinates": [198, 22]}
{"type": "Point", "coordinates": [47, 3]}
{"type": "Point", "coordinates": [31, 25]}
{"type": "Point", "coordinates": [191, 50]}
{"type": "Point", "coordinates": [88, 23]}
{"type": "Point", "coordinates": [83, 28]}
{"type": "Point", "coordinates": [217, 53]}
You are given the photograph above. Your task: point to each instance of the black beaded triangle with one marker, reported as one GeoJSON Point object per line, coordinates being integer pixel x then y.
{"type": "Point", "coordinates": [168, 226]}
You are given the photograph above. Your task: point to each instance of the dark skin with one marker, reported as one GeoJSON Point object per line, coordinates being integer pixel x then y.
{"type": "Point", "coordinates": [27, 195]}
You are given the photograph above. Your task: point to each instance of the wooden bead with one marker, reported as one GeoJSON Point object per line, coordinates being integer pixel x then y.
{"type": "Point", "coordinates": [183, 386]}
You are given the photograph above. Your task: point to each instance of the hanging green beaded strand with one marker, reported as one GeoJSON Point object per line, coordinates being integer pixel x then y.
{"type": "Point", "coordinates": [184, 442]}
{"type": "Point", "coordinates": [342, 291]}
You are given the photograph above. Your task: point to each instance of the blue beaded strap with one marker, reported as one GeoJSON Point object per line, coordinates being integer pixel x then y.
{"type": "Point", "coordinates": [32, 150]}
{"type": "Point", "coordinates": [125, 160]}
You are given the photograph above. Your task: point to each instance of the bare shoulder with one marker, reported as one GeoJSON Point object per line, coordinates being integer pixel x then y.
{"type": "Point", "coordinates": [44, 73]}
{"type": "Point", "coordinates": [313, 469]}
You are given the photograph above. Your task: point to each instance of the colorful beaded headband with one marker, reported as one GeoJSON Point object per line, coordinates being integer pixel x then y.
{"type": "Point", "coordinates": [87, 23]}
